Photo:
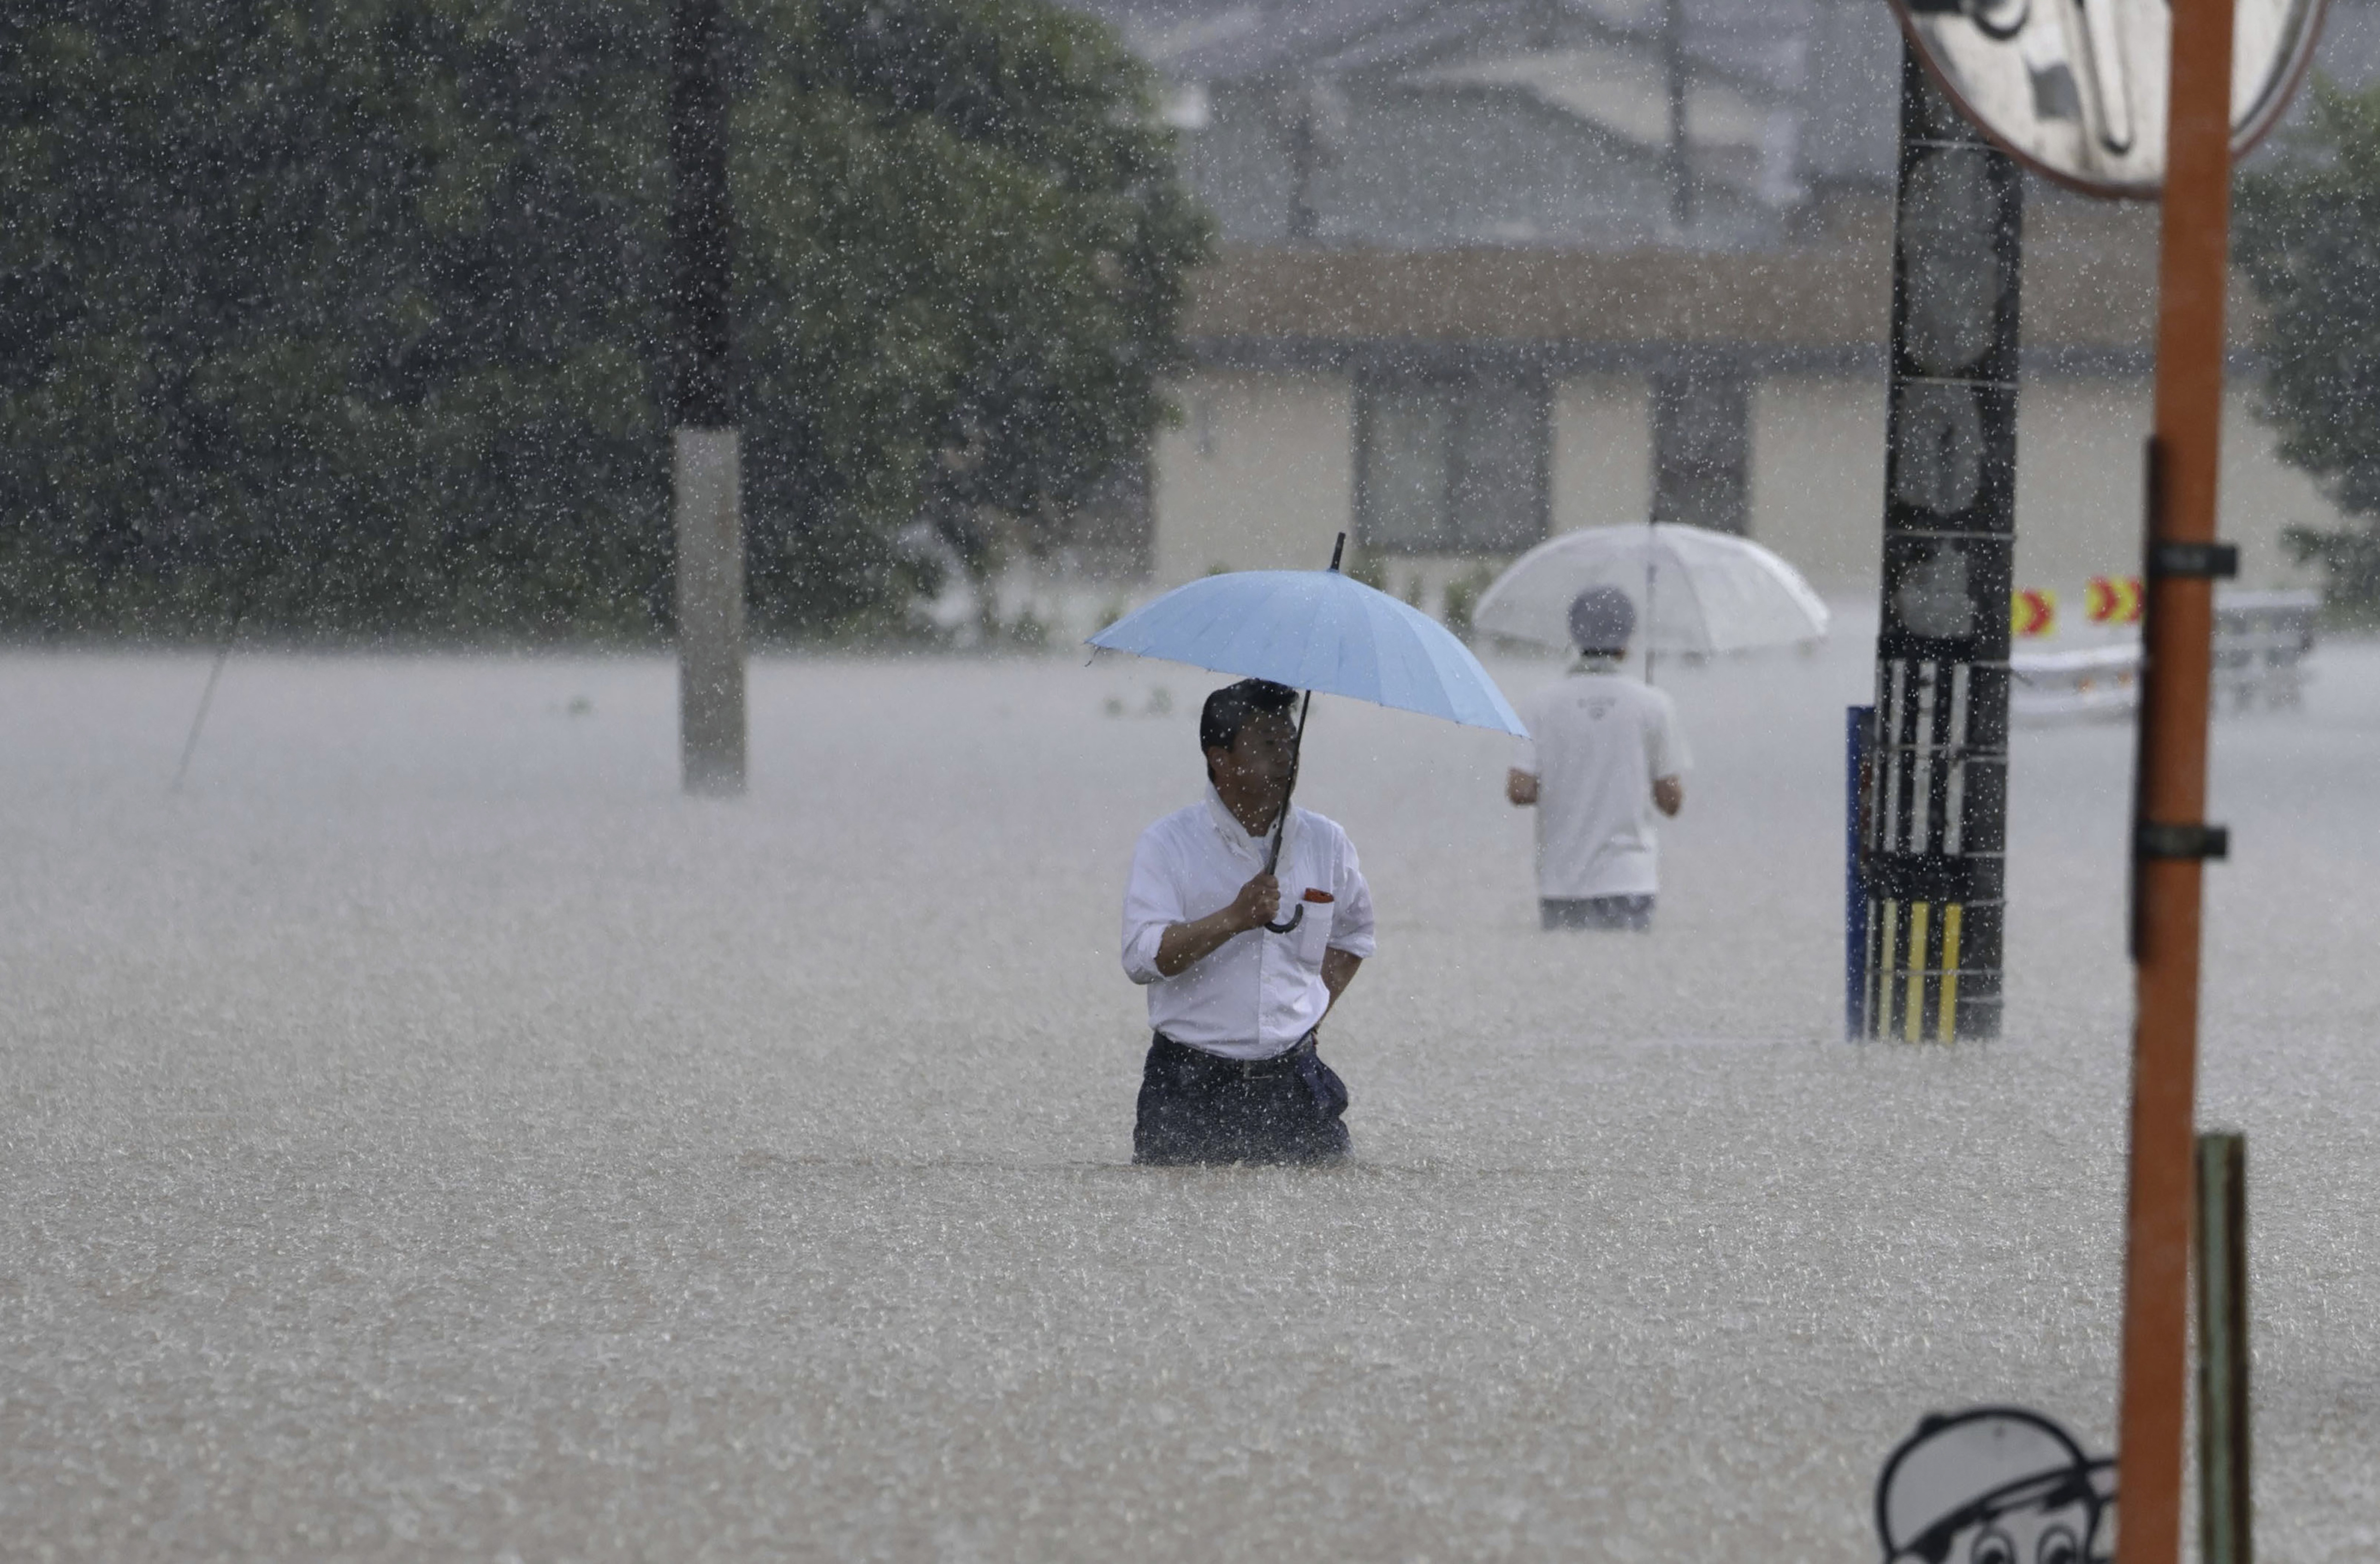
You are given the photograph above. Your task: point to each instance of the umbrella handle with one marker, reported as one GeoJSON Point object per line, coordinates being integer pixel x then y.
{"type": "Point", "coordinates": [1281, 822]}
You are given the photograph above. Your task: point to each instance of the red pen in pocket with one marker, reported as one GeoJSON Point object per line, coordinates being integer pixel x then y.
{"type": "Point", "coordinates": [1312, 894]}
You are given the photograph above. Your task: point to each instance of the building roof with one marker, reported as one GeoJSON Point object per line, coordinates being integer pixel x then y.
{"type": "Point", "coordinates": [1833, 65]}
{"type": "Point", "coordinates": [1594, 69]}
{"type": "Point", "coordinates": [2097, 306]}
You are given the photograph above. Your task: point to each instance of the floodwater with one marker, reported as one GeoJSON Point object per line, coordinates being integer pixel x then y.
{"type": "Point", "coordinates": [429, 1135]}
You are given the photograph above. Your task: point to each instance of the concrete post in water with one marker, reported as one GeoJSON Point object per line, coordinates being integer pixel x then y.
{"type": "Point", "coordinates": [710, 534]}
{"type": "Point", "coordinates": [1938, 820]}
{"type": "Point", "coordinates": [706, 486]}
{"type": "Point", "coordinates": [2225, 1514]}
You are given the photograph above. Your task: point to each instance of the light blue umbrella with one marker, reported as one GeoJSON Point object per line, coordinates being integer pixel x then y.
{"type": "Point", "coordinates": [1316, 631]}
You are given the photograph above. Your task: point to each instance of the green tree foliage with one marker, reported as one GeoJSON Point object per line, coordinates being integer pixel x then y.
{"type": "Point", "coordinates": [963, 257]}
{"type": "Point", "coordinates": [2308, 237]}
{"type": "Point", "coordinates": [310, 308]}
{"type": "Point", "coordinates": [347, 313]}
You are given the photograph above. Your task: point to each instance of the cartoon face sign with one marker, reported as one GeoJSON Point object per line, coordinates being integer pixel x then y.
{"type": "Point", "coordinates": [1992, 1485]}
{"type": "Point", "coordinates": [2050, 1536]}
{"type": "Point", "coordinates": [2077, 88]}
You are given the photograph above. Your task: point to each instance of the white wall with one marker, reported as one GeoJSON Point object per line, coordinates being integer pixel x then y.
{"type": "Point", "coordinates": [1602, 466]}
{"type": "Point", "coordinates": [1259, 475]}
{"type": "Point", "coordinates": [2080, 477]}
{"type": "Point", "coordinates": [1817, 484]}
{"type": "Point", "coordinates": [2260, 495]}
{"type": "Point", "coordinates": [2078, 481]}
{"type": "Point", "coordinates": [1817, 477]}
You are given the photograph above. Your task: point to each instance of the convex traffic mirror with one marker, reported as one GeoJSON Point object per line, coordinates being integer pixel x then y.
{"type": "Point", "coordinates": [2077, 88]}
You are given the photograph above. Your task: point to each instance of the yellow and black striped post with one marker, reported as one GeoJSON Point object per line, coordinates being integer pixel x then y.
{"type": "Point", "coordinates": [1934, 819]}
{"type": "Point", "coordinates": [1914, 971]}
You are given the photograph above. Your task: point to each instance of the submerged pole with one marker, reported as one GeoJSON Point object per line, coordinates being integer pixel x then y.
{"type": "Point", "coordinates": [1938, 820]}
{"type": "Point", "coordinates": [2225, 1510]}
{"type": "Point", "coordinates": [706, 468]}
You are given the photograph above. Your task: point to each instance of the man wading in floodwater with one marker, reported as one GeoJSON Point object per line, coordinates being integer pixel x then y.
{"type": "Point", "coordinates": [1604, 752]}
{"type": "Point", "coordinates": [1231, 1074]}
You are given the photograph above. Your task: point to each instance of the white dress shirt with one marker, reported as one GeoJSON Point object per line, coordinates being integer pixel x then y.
{"type": "Point", "coordinates": [1260, 992]}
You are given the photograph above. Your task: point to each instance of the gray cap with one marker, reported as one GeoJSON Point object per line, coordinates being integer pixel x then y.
{"type": "Point", "coordinates": [1601, 619]}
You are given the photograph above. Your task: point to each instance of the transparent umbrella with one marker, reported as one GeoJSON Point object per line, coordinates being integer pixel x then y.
{"type": "Point", "coordinates": [1696, 591]}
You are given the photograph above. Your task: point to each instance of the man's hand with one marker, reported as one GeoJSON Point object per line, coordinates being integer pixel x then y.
{"type": "Point", "coordinates": [1521, 786]}
{"type": "Point", "coordinates": [1670, 794]}
{"type": "Point", "coordinates": [1257, 904]}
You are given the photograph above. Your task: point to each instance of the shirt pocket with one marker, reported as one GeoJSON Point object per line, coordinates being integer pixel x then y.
{"type": "Point", "coordinates": [1313, 932]}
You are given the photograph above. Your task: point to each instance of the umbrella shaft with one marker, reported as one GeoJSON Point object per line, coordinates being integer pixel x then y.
{"type": "Point", "coordinates": [1296, 753]}
{"type": "Point", "coordinates": [1651, 564]}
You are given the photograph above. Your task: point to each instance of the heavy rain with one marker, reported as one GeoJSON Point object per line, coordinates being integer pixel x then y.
{"type": "Point", "coordinates": [562, 843]}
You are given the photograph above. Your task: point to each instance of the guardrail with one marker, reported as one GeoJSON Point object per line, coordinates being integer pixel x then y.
{"type": "Point", "coordinates": [2261, 643]}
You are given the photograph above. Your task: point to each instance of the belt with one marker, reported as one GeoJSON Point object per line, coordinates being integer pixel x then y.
{"type": "Point", "coordinates": [1284, 1063]}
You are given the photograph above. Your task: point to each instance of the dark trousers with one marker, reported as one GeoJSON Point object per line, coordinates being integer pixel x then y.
{"type": "Point", "coordinates": [1596, 912]}
{"type": "Point", "coordinates": [1196, 1107]}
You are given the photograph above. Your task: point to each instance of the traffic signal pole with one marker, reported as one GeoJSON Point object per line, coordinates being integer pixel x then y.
{"type": "Point", "coordinates": [2170, 840]}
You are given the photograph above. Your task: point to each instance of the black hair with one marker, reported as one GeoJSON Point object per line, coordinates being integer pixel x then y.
{"type": "Point", "coordinates": [1601, 619]}
{"type": "Point", "coordinates": [1228, 709]}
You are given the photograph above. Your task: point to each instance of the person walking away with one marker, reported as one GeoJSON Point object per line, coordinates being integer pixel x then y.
{"type": "Point", "coordinates": [1605, 752]}
{"type": "Point", "coordinates": [1232, 1074]}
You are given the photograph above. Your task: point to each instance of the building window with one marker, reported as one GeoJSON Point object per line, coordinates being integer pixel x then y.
{"type": "Point", "coordinates": [1702, 445]}
{"type": "Point", "coordinates": [1450, 466]}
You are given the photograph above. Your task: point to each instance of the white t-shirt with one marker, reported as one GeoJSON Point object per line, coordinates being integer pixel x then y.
{"type": "Point", "coordinates": [1598, 741]}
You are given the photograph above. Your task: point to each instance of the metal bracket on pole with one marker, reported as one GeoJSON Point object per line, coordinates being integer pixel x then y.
{"type": "Point", "coordinates": [2167, 842]}
{"type": "Point", "coordinates": [2194, 561]}
{"type": "Point", "coordinates": [2159, 839]}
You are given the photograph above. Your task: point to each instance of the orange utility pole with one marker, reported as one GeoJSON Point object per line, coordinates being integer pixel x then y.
{"type": "Point", "coordinates": [2170, 839]}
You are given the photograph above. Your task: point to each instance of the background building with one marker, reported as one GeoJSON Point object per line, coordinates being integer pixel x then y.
{"type": "Point", "coordinates": [1493, 268]}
